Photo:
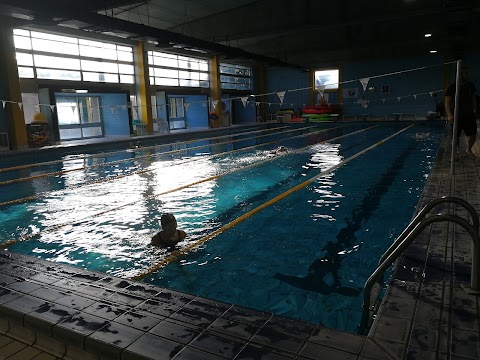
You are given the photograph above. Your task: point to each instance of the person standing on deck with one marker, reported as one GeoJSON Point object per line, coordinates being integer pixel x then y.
{"type": "Point", "coordinates": [467, 111]}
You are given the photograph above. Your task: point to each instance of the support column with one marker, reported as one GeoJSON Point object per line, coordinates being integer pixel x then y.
{"type": "Point", "coordinates": [261, 89]}
{"type": "Point", "coordinates": [216, 91]}
{"type": "Point", "coordinates": [143, 87]}
{"type": "Point", "coordinates": [12, 119]}
{"type": "Point", "coordinates": [313, 101]}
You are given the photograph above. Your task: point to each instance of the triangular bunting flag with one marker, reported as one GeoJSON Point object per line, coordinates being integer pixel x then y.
{"type": "Point", "coordinates": [363, 103]}
{"type": "Point", "coordinates": [37, 108]}
{"type": "Point", "coordinates": [415, 96]}
{"type": "Point", "coordinates": [269, 104]}
{"type": "Point", "coordinates": [398, 98]}
{"type": "Point", "coordinates": [129, 104]}
{"type": "Point", "coordinates": [52, 108]}
{"type": "Point", "coordinates": [3, 104]}
{"type": "Point", "coordinates": [187, 106]}
{"type": "Point", "coordinates": [364, 82]}
{"type": "Point", "coordinates": [431, 93]}
{"type": "Point", "coordinates": [20, 105]}
{"type": "Point", "coordinates": [383, 100]}
{"type": "Point", "coordinates": [281, 96]}
{"type": "Point", "coordinates": [214, 103]}
{"type": "Point", "coordinates": [244, 100]}
{"type": "Point", "coordinates": [112, 108]}
{"type": "Point", "coordinates": [73, 109]}
{"type": "Point", "coordinates": [320, 89]}
{"type": "Point", "coordinates": [257, 103]}
{"type": "Point", "coordinates": [124, 107]}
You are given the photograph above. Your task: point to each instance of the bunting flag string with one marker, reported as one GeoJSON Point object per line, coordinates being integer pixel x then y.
{"type": "Point", "coordinates": [214, 103]}
{"type": "Point", "coordinates": [281, 94]}
{"type": "Point", "coordinates": [113, 108]}
{"type": "Point", "coordinates": [187, 106]}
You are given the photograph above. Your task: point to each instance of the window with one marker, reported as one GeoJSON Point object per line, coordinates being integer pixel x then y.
{"type": "Point", "coordinates": [78, 117]}
{"type": "Point", "coordinates": [235, 77]}
{"type": "Point", "coordinates": [93, 60]}
{"type": "Point", "coordinates": [328, 78]}
{"type": "Point", "coordinates": [176, 108]}
{"type": "Point", "coordinates": [175, 70]}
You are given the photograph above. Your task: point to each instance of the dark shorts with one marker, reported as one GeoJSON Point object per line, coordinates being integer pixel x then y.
{"type": "Point", "coordinates": [468, 125]}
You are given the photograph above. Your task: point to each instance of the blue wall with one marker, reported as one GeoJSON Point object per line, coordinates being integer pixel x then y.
{"type": "Point", "coordinates": [404, 85]}
{"type": "Point", "coordinates": [241, 114]}
{"type": "Point", "coordinates": [197, 114]}
{"type": "Point", "coordinates": [116, 123]}
{"type": "Point", "coordinates": [282, 79]}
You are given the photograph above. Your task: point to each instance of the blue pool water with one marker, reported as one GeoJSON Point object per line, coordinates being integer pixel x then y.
{"type": "Point", "coordinates": [305, 256]}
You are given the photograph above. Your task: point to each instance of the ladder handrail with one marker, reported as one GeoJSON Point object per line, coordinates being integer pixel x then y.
{"type": "Point", "coordinates": [403, 245]}
{"type": "Point", "coordinates": [424, 212]}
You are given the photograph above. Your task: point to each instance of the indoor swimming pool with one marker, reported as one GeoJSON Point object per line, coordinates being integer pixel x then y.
{"type": "Point", "coordinates": [295, 234]}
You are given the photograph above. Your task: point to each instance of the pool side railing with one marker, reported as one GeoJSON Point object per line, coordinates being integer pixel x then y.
{"type": "Point", "coordinates": [416, 226]}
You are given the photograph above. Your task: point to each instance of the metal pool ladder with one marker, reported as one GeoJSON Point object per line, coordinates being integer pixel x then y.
{"type": "Point", "coordinates": [416, 226]}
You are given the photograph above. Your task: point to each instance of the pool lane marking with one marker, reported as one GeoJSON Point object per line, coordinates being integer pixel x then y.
{"type": "Point", "coordinates": [54, 173]}
{"type": "Point", "coordinates": [247, 215]}
{"type": "Point", "coordinates": [25, 166]}
{"type": "Point", "coordinates": [117, 177]}
{"type": "Point", "coordinates": [153, 196]}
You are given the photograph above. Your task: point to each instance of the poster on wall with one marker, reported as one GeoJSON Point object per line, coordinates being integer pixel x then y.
{"type": "Point", "coordinates": [350, 93]}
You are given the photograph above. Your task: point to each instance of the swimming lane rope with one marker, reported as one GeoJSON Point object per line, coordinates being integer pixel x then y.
{"type": "Point", "coordinates": [60, 172]}
{"type": "Point", "coordinates": [19, 167]}
{"type": "Point", "coordinates": [56, 227]}
{"type": "Point", "coordinates": [116, 177]}
{"type": "Point", "coordinates": [247, 215]}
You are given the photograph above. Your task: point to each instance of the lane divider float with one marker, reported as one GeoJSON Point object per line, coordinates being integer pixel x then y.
{"type": "Point", "coordinates": [250, 213]}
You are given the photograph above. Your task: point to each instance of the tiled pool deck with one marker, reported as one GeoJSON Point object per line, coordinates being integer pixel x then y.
{"type": "Point", "coordinates": [50, 311]}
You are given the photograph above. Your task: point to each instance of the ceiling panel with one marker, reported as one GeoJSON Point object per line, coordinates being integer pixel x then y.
{"type": "Point", "coordinates": [304, 33]}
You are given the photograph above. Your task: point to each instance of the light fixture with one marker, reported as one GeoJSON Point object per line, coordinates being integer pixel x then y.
{"type": "Point", "coordinates": [433, 51]}
{"type": "Point", "coordinates": [81, 91]}
{"type": "Point", "coordinates": [427, 35]}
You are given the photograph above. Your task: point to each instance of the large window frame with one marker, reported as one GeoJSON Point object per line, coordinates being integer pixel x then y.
{"type": "Point", "coordinates": [330, 78]}
{"type": "Point", "coordinates": [84, 117]}
{"type": "Point", "coordinates": [171, 70]}
{"type": "Point", "coordinates": [47, 56]}
{"type": "Point", "coordinates": [235, 77]}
